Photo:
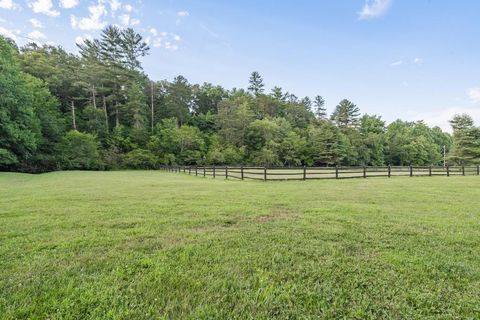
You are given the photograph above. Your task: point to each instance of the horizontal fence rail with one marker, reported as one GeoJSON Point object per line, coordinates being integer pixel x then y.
{"type": "Point", "coordinates": [310, 173]}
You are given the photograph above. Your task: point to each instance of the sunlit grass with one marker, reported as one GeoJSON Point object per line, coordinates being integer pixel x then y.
{"type": "Point", "coordinates": [143, 245]}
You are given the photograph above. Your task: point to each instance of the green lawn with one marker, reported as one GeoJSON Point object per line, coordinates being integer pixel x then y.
{"type": "Point", "coordinates": [147, 245]}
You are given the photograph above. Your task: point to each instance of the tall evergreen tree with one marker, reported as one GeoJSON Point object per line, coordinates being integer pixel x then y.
{"type": "Point", "coordinates": [346, 115]}
{"type": "Point", "coordinates": [256, 83]}
{"type": "Point", "coordinates": [320, 110]}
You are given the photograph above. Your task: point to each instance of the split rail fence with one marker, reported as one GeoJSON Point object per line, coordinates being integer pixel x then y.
{"type": "Point", "coordinates": [309, 173]}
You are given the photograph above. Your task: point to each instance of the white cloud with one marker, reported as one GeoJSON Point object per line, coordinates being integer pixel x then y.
{"type": "Point", "coordinates": [474, 94]}
{"type": "Point", "coordinates": [418, 61]}
{"type": "Point", "coordinates": [44, 7]}
{"type": "Point", "coordinates": [9, 33]}
{"type": "Point", "coordinates": [36, 35]}
{"type": "Point", "coordinates": [126, 20]}
{"type": "Point", "coordinates": [81, 39]}
{"type": "Point", "coordinates": [128, 8]}
{"type": "Point", "coordinates": [69, 4]}
{"type": "Point", "coordinates": [442, 116]}
{"type": "Point", "coordinates": [8, 4]}
{"type": "Point", "coordinates": [164, 40]}
{"type": "Point", "coordinates": [36, 23]}
{"type": "Point", "coordinates": [374, 8]}
{"type": "Point", "coordinates": [115, 5]}
{"type": "Point", "coordinates": [183, 13]}
{"type": "Point", "coordinates": [396, 63]}
{"type": "Point", "coordinates": [93, 21]}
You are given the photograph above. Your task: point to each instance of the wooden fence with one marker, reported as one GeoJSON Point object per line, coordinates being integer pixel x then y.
{"type": "Point", "coordinates": [309, 173]}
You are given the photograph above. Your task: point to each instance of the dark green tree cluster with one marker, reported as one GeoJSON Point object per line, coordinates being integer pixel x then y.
{"type": "Point", "coordinates": [98, 110]}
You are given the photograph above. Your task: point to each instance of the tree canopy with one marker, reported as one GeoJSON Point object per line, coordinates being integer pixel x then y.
{"type": "Point", "coordinates": [98, 109]}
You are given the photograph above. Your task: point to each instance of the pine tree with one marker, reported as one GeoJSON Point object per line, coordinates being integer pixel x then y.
{"type": "Point", "coordinates": [256, 83]}
{"type": "Point", "coordinates": [346, 115]}
{"type": "Point", "coordinates": [320, 110]}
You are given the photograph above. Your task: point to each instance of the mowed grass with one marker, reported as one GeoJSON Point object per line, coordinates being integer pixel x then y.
{"type": "Point", "coordinates": [157, 245]}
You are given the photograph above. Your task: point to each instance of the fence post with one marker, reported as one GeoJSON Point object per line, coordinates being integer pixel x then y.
{"type": "Point", "coordinates": [184, 169]}
{"type": "Point", "coordinates": [448, 171]}
{"type": "Point", "coordinates": [389, 171]}
{"type": "Point", "coordinates": [411, 171]}
{"type": "Point", "coordinates": [265, 173]}
{"type": "Point", "coordinates": [196, 170]}
{"type": "Point", "coordinates": [226, 172]}
{"type": "Point", "coordinates": [336, 172]}
{"type": "Point", "coordinates": [364, 171]}
{"type": "Point", "coordinates": [430, 171]}
{"type": "Point", "coordinates": [463, 170]}
{"type": "Point", "coordinates": [478, 170]}
{"type": "Point", "coordinates": [204, 171]}
{"type": "Point", "coordinates": [213, 171]}
{"type": "Point", "coordinates": [189, 170]}
{"type": "Point", "coordinates": [304, 173]}
{"type": "Point", "coordinates": [241, 172]}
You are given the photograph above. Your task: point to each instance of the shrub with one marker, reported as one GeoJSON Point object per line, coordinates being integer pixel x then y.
{"type": "Point", "coordinates": [140, 159]}
{"type": "Point", "coordinates": [79, 151]}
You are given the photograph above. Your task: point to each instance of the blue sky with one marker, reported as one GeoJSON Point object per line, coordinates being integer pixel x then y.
{"type": "Point", "coordinates": [408, 59]}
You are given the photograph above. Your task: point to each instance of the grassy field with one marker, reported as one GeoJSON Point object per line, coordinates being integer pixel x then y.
{"type": "Point", "coordinates": [147, 245]}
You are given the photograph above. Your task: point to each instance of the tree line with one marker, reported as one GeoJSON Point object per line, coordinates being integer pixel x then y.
{"type": "Point", "coordinates": [98, 110]}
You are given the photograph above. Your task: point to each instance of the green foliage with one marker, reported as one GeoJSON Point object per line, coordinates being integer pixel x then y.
{"type": "Point", "coordinates": [104, 92]}
{"type": "Point", "coordinates": [19, 127]}
{"type": "Point", "coordinates": [346, 115]}
{"type": "Point", "coordinates": [256, 83]}
{"type": "Point", "coordinates": [177, 145]}
{"type": "Point", "coordinates": [79, 151]}
{"type": "Point", "coordinates": [466, 137]}
{"type": "Point", "coordinates": [140, 159]}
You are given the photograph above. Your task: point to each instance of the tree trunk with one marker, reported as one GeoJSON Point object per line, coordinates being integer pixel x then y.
{"type": "Point", "coordinates": [105, 112]}
{"type": "Point", "coordinates": [94, 101]}
{"type": "Point", "coordinates": [74, 124]}
{"type": "Point", "coordinates": [152, 106]}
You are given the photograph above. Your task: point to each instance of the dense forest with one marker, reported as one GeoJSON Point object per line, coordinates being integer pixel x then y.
{"type": "Point", "coordinates": [98, 110]}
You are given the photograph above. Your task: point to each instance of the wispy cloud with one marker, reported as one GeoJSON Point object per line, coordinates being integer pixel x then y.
{"type": "Point", "coordinates": [474, 94]}
{"type": "Point", "coordinates": [374, 9]}
{"type": "Point", "coordinates": [68, 4]}
{"type": "Point", "coordinates": [44, 7]}
{"type": "Point", "coordinates": [37, 35]}
{"type": "Point", "coordinates": [12, 34]}
{"type": "Point", "coordinates": [418, 61]}
{"type": "Point", "coordinates": [94, 21]}
{"type": "Point", "coordinates": [442, 116]}
{"type": "Point", "coordinates": [165, 40]}
{"type": "Point", "coordinates": [8, 4]}
{"type": "Point", "coordinates": [183, 13]}
{"type": "Point", "coordinates": [396, 63]}
{"type": "Point", "coordinates": [35, 23]}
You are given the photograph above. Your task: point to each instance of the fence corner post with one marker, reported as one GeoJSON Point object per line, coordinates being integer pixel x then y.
{"type": "Point", "coordinates": [304, 173]}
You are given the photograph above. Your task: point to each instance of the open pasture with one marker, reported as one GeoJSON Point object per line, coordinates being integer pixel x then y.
{"type": "Point", "coordinates": [159, 245]}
